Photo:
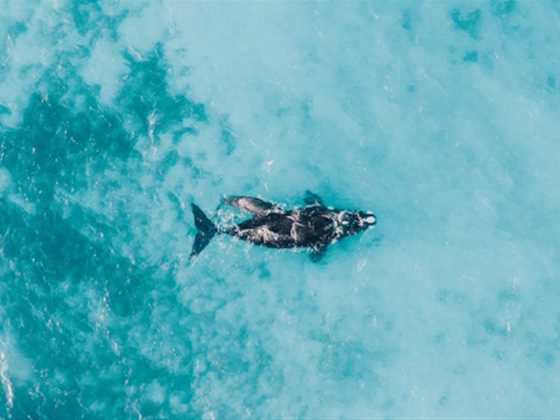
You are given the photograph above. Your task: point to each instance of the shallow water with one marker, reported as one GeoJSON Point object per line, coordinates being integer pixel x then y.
{"type": "Point", "coordinates": [441, 117]}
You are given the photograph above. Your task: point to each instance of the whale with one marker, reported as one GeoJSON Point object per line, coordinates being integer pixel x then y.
{"type": "Point", "coordinates": [313, 226]}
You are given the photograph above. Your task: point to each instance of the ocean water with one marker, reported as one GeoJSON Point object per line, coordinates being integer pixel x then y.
{"type": "Point", "coordinates": [440, 116]}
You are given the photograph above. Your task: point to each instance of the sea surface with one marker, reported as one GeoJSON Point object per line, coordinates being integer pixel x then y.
{"type": "Point", "coordinates": [441, 116]}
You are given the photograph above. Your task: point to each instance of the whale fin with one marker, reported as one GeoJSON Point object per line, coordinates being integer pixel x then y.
{"type": "Point", "coordinates": [317, 253]}
{"type": "Point", "coordinates": [251, 204]}
{"type": "Point", "coordinates": [205, 230]}
{"type": "Point", "coordinates": [310, 198]}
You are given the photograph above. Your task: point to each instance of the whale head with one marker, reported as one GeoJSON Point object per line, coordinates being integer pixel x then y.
{"type": "Point", "coordinates": [352, 222]}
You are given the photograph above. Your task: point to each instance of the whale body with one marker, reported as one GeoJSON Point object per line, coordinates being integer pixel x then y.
{"type": "Point", "coordinates": [313, 226]}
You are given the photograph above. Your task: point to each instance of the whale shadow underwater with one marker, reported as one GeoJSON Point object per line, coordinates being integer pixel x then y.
{"type": "Point", "coordinates": [313, 226]}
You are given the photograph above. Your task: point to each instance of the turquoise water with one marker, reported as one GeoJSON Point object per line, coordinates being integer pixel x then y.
{"type": "Point", "coordinates": [440, 116]}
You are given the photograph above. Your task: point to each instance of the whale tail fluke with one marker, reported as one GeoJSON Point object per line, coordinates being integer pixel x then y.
{"type": "Point", "coordinates": [205, 230]}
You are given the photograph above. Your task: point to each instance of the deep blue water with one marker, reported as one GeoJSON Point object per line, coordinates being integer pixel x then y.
{"type": "Point", "coordinates": [440, 116]}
